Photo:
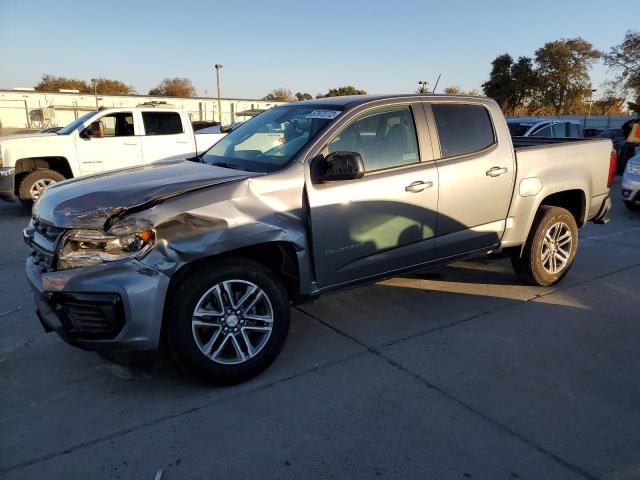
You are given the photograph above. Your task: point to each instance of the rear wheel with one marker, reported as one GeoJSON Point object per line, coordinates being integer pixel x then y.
{"type": "Point", "coordinates": [550, 248]}
{"type": "Point", "coordinates": [33, 184]}
{"type": "Point", "coordinates": [228, 321]}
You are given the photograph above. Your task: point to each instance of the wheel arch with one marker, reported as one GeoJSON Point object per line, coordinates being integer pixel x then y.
{"type": "Point", "coordinates": [25, 166]}
{"type": "Point", "coordinates": [279, 257]}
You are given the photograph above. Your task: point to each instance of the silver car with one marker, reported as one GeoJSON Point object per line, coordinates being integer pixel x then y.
{"type": "Point", "coordinates": [631, 182]}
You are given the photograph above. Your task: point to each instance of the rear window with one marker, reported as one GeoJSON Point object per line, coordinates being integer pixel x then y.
{"type": "Point", "coordinates": [162, 123]}
{"type": "Point", "coordinates": [463, 129]}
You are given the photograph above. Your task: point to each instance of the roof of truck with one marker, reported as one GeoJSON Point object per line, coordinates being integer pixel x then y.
{"type": "Point", "coordinates": [352, 100]}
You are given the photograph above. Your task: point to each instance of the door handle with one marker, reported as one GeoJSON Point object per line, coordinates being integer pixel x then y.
{"type": "Point", "coordinates": [182, 141]}
{"type": "Point", "coordinates": [131, 143]}
{"type": "Point", "coordinates": [496, 171]}
{"type": "Point", "coordinates": [415, 187]}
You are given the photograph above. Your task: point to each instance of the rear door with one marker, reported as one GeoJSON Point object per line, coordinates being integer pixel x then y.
{"type": "Point", "coordinates": [476, 175]}
{"type": "Point", "coordinates": [165, 136]}
{"type": "Point", "coordinates": [386, 220]}
{"type": "Point", "coordinates": [118, 145]}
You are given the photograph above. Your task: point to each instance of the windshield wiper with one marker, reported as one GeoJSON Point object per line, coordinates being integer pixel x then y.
{"type": "Point", "coordinates": [228, 165]}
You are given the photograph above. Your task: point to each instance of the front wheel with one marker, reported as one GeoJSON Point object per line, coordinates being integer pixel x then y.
{"type": "Point", "coordinates": [550, 248]}
{"type": "Point", "coordinates": [33, 184]}
{"type": "Point", "coordinates": [228, 320]}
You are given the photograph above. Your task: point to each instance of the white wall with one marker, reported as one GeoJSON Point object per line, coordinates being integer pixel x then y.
{"type": "Point", "coordinates": [22, 109]}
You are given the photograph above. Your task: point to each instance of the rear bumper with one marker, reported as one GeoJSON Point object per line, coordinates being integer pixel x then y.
{"type": "Point", "coordinates": [7, 183]}
{"type": "Point", "coordinates": [601, 216]}
{"type": "Point", "coordinates": [111, 308]}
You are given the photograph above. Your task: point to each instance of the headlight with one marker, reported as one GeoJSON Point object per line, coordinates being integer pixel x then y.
{"type": "Point", "coordinates": [84, 248]}
{"type": "Point", "coordinates": [632, 168]}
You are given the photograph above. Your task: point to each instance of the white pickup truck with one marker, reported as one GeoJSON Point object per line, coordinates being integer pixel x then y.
{"type": "Point", "coordinates": [101, 140]}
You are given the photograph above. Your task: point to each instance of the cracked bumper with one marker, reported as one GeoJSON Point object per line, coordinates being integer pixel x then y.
{"type": "Point", "coordinates": [128, 295]}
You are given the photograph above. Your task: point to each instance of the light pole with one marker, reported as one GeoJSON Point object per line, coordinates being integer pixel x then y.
{"type": "Point", "coordinates": [591, 100]}
{"type": "Point", "coordinates": [218, 67]}
{"type": "Point", "coordinates": [95, 90]}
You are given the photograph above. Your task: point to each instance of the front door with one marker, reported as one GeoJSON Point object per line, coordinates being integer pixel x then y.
{"type": "Point", "coordinates": [476, 178]}
{"type": "Point", "coordinates": [386, 220]}
{"type": "Point", "coordinates": [116, 146]}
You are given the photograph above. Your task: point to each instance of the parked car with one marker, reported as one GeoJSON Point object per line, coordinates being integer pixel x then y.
{"type": "Point", "coordinates": [631, 182]}
{"type": "Point", "coordinates": [98, 141]}
{"type": "Point", "coordinates": [548, 128]}
{"type": "Point", "coordinates": [210, 255]}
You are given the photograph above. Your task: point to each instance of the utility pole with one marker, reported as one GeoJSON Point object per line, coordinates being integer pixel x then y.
{"type": "Point", "coordinates": [218, 67]}
{"type": "Point", "coordinates": [591, 100]}
{"type": "Point", "coordinates": [95, 90]}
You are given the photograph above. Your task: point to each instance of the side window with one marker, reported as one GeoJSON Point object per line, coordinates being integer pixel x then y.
{"type": "Point", "coordinates": [162, 123]}
{"type": "Point", "coordinates": [384, 139]}
{"type": "Point", "coordinates": [117, 125]}
{"type": "Point", "coordinates": [462, 129]}
{"type": "Point", "coordinates": [544, 132]}
{"type": "Point", "coordinates": [560, 130]}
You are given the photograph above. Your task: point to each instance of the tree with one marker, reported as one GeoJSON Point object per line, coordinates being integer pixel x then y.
{"type": "Point", "coordinates": [280, 95]}
{"type": "Point", "coordinates": [634, 106]}
{"type": "Point", "coordinates": [174, 87]}
{"type": "Point", "coordinates": [51, 83]}
{"type": "Point", "coordinates": [453, 90]}
{"type": "Point", "coordinates": [303, 96]}
{"type": "Point", "coordinates": [343, 91]}
{"type": "Point", "coordinates": [510, 83]}
{"type": "Point", "coordinates": [625, 58]}
{"type": "Point", "coordinates": [456, 90]}
{"type": "Point", "coordinates": [107, 86]}
{"type": "Point", "coordinates": [609, 104]}
{"type": "Point", "coordinates": [562, 71]}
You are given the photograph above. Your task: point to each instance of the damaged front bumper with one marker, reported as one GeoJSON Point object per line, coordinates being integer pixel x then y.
{"type": "Point", "coordinates": [112, 307]}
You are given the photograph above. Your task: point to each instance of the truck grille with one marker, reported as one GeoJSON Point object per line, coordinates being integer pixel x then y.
{"type": "Point", "coordinates": [43, 240]}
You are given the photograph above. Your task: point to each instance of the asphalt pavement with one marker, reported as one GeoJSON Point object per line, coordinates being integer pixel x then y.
{"type": "Point", "coordinates": [454, 373]}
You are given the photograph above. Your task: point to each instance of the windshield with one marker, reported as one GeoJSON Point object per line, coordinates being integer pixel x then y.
{"type": "Point", "coordinates": [75, 124]}
{"type": "Point", "coordinates": [269, 141]}
{"type": "Point", "coordinates": [518, 129]}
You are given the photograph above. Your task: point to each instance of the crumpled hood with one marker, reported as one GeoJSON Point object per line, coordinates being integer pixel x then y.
{"type": "Point", "coordinates": [89, 202]}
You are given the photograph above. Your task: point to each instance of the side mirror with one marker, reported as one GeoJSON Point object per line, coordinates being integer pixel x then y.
{"type": "Point", "coordinates": [338, 166]}
{"type": "Point", "coordinates": [93, 130]}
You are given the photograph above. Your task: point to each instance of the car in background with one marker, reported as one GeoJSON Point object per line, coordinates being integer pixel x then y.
{"type": "Point", "coordinates": [591, 132]}
{"type": "Point", "coordinates": [546, 128]}
{"type": "Point", "coordinates": [101, 140]}
{"type": "Point", "coordinates": [631, 182]}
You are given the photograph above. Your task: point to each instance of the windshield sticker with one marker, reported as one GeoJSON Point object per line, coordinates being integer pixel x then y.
{"type": "Point", "coordinates": [324, 114]}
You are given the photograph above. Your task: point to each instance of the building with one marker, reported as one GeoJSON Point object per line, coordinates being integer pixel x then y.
{"type": "Point", "coordinates": [25, 108]}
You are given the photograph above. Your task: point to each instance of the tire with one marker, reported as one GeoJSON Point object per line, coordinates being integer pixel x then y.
{"type": "Point", "coordinates": [534, 265]}
{"type": "Point", "coordinates": [235, 331]}
{"type": "Point", "coordinates": [30, 182]}
{"type": "Point", "coordinates": [632, 206]}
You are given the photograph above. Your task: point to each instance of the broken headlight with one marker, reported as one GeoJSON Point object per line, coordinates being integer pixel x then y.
{"type": "Point", "coordinates": [84, 248]}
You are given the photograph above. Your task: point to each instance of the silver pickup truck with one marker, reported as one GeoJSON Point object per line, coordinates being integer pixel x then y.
{"type": "Point", "coordinates": [208, 255]}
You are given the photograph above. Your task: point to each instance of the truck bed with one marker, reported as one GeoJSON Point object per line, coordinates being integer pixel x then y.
{"type": "Point", "coordinates": [526, 142]}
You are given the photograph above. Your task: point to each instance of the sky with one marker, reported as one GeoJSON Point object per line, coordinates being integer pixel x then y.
{"type": "Point", "coordinates": [309, 46]}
